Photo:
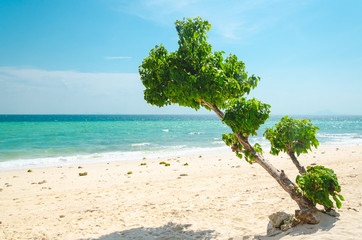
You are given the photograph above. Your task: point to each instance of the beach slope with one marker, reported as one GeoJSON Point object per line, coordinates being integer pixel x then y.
{"type": "Point", "coordinates": [199, 197]}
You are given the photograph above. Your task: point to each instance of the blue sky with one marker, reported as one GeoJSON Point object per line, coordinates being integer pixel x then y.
{"type": "Point", "coordinates": [79, 57]}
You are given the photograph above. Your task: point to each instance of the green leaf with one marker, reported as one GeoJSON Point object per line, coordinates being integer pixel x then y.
{"type": "Point", "coordinates": [340, 197]}
{"type": "Point", "coordinates": [338, 203]}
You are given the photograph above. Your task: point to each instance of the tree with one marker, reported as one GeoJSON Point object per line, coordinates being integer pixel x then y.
{"type": "Point", "coordinates": [296, 137]}
{"type": "Point", "coordinates": [293, 137]}
{"type": "Point", "coordinates": [195, 76]}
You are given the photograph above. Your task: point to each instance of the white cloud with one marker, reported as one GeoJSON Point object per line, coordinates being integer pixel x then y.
{"type": "Point", "coordinates": [90, 83]}
{"type": "Point", "coordinates": [231, 19]}
{"type": "Point", "coordinates": [37, 90]}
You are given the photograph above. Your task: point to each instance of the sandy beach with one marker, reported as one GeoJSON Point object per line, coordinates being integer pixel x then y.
{"type": "Point", "coordinates": [197, 197]}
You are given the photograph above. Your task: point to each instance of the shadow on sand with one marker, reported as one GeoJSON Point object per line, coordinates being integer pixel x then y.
{"type": "Point", "coordinates": [326, 223]}
{"type": "Point", "coordinates": [180, 232]}
{"type": "Point", "coordinates": [168, 231]}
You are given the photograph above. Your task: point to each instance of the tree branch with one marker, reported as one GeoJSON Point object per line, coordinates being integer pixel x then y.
{"type": "Point", "coordinates": [218, 112]}
{"type": "Point", "coordinates": [292, 156]}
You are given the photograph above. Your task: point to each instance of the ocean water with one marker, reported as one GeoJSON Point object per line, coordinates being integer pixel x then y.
{"type": "Point", "coordinates": [52, 140]}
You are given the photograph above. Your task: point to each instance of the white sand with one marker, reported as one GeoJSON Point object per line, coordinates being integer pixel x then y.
{"type": "Point", "coordinates": [222, 197]}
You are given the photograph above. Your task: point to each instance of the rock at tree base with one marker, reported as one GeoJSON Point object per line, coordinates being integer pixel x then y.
{"type": "Point", "coordinates": [277, 218]}
{"type": "Point", "coordinates": [271, 231]}
{"type": "Point", "coordinates": [307, 216]}
{"type": "Point", "coordinates": [280, 221]}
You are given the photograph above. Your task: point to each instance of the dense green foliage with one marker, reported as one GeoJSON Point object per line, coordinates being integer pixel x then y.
{"type": "Point", "coordinates": [246, 116]}
{"type": "Point", "coordinates": [289, 134]}
{"type": "Point", "coordinates": [318, 184]}
{"type": "Point", "coordinates": [193, 74]}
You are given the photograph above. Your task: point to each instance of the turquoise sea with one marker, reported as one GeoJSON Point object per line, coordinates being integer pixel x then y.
{"type": "Point", "coordinates": [52, 140]}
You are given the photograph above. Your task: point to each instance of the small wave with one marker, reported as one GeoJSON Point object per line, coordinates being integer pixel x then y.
{"type": "Point", "coordinates": [338, 135]}
{"type": "Point", "coordinates": [140, 144]}
{"type": "Point", "coordinates": [218, 142]}
{"type": "Point", "coordinates": [339, 138]}
{"type": "Point", "coordinates": [70, 160]}
{"type": "Point", "coordinates": [195, 133]}
{"type": "Point", "coordinates": [178, 147]}
{"type": "Point", "coordinates": [165, 130]}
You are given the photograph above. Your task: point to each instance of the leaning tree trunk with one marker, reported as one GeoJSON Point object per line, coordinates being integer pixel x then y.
{"type": "Point", "coordinates": [306, 212]}
{"type": "Point", "coordinates": [307, 209]}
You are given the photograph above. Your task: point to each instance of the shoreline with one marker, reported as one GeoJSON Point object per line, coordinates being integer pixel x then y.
{"type": "Point", "coordinates": [116, 157]}
{"type": "Point", "coordinates": [215, 196]}
{"type": "Point", "coordinates": [108, 157]}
